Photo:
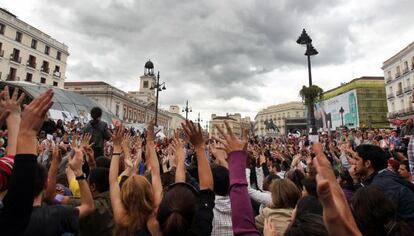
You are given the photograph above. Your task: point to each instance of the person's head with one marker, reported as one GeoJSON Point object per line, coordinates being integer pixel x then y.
{"type": "Point", "coordinates": [285, 194]}
{"type": "Point", "coordinates": [393, 164]}
{"type": "Point", "coordinates": [345, 180]}
{"type": "Point", "coordinates": [268, 181]}
{"type": "Point", "coordinates": [404, 170]}
{"type": "Point", "coordinates": [296, 177]}
{"type": "Point", "coordinates": [308, 204]}
{"type": "Point", "coordinates": [370, 136]}
{"type": "Point", "coordinates": [370, 159]}
{"type": "Point", "coordinates": [307, 224]}
{"type": "Point", "coordinates": [96, 113]}
{"type": "Point", "coordinates": [40, 179]}
{"type": "Point", "coordinates": [309, 186]}
{"type": "Point", "coordinates": [59, 123]}
{"type": "Point", "coordinates": [276, 168]}
{"type": "Point", "coordinates": [99, 180]}
{"type": "Point", "coordinates": [137, 197]}
{"type": "Point", "coordinates": [375, 213]}
{"type": "Point", "coordinates": [177, 209]}
{"type": "Point", "coordinates": [221, 180]}
{"type": "Point", "coordinates": [409, 122]}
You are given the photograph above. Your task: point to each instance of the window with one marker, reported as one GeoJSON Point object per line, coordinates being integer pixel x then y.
{"type": "Point", "coordinates": [32, 61]}
{"type": "Point", "coordinates": [398, 74]}
{"type": "Point", "coordinates": [45, 67]}
{"type": "Point", "coordinates": [55, 83]}
{"type": "Point", "coordinates": [58, 55]}
{"type": "Point", "coordinates": [19, 37]}
{"type": "Point", "coordinates": [34, 43]}
{"type": "Point", "coordinates": [47, 50]}
{"type": "Point", "coordinates": [15, 55]}
{"type": "Point", "coordinates": [2, 28]}
{"type": "Point", "coordinates": [57, 69]}
{"type": "Point", "coordinates": [1, 51]}
{"type": "Point", "coordinates": [405, 66]}
{"type": "Point", "coordinates": [43, 80]}
{"type": "Point", "coordinates": [12, 74]}
{"type": "Point", "coordinates": [145, 84]}
{"type": "Point", "coordinates": [29, 77]}
{"type": "Point", "coordinates": [117, 110]}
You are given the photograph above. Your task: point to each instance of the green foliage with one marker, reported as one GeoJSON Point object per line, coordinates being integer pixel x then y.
{"type": "Point", "coordinates": [311, 94]}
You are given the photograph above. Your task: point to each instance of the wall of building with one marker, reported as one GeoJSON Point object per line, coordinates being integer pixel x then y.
{"type": "Point", "coordinates": [399, 79]}
{"type": "Point", "coordinates": [8, 42]}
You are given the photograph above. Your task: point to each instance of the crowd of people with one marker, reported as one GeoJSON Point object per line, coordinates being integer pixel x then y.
{"type": "Point", "coordinates": [88, 179]}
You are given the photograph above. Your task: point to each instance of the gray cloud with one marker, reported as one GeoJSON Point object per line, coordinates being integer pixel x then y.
{"type": "Point", "coordinates": [215, 50]}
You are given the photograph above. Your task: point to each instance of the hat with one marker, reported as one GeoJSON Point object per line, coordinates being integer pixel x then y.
{"type": "Point", "coordinates": [6, 167]}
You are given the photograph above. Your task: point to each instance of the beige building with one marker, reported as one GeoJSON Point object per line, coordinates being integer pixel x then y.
{"type": "Point", "coordinates": [28, 54]}
{"type": "Point", "coordinates": [280, 114]}
{"type": "Point", "coordinates": [176, 118]}
{"type": "Point", "coordinates": [399, 77]}
{"type": "Point", "coordinates": [147, 81]}
{"type": "Point", "coordinates": [235, 121]}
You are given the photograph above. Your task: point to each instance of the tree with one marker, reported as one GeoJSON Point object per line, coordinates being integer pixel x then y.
{"type": "Point", "coordinates": [311, 94]}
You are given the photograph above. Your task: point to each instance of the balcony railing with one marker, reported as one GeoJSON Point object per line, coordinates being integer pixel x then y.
{"type": "Point", "coordinates": [407, 89]}
{"type": "Point", "coordinates": [45, 70]}
{"type": "Point", "coordinates": [399, 92]}
{"type": "Point", "coordinates": [391, 95]}
{"type": "Point", "coordinates": [405, 71]}
{"type": "Point", "coordinates": [15, 58]}
{"type": "Point", "coordinates": [397, 75]}
{"type": "Point", "coordinates": [388, 80]}
{"type": "Point", "coordinates": [400, 113]}
{"type": "Point", "coordinates": [12, 78]}
{"type": "Point", "coordinates": [31, 64]}
{"type": "Point", "coordinates": [57, 74]}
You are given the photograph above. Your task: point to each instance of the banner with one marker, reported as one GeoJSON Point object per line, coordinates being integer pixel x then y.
{"type": "Point", "coordinates": [328, 115]}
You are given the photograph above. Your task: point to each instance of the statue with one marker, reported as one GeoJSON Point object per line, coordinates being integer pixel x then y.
{"type": "Point", "coordinates": [271, 126]}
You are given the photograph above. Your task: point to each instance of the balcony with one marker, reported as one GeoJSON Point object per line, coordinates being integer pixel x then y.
{"type": "Point", "coordinates": [56, 74]}
{"type": "Point", "coordinates": [407, 89]}
{"type": "Point", "coordinates": [388, 80]}
{"type": "Point", "coordinates": [399, 92]}
{"type": "Point", "coordinates": [12, 78]}
{"type": "Point", "coordinates": [390, 96]}
{"type": "Point", "coordinates": [31, 65]}
{"type": "Point", "coordinates": [401, 113]}
{"type": "Point", "coordinates": [398, 75]}
{"type": "Point", "coordinates": [405, 71]}
{"type": "Point", "coordinates": [45, 69]}
{"type": "Point", "coordinates": [15, 58]}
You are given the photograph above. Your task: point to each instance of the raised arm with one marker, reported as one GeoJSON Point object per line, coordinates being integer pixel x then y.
{"type": "Point", "coordinates": [118, 208]}
{"type": "Point", "coordinates": [241, 208]}
{"type": "Point", "coordinates": [18, 202]}
{"type": "Point", "coordinates": [152, 160]}
{"type": "Point", "coordinates": [50, 192]}
{"type": "Point", "coordinates": [180, 156]}
{"type": "Point", "coordinates": [195, 136]}
{"type": "Point", "coordinates": [12, 104]}
{"type": "Point", "coordinates": [75, 163]}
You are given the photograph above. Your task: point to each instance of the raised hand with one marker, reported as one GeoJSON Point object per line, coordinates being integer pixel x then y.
{"type": "Point", "coordinates": [86, 138]}
{"type": "Point", "coordinates": [219, 153]}
{"type": "Point", "coordinates": [194, 134]}
{"type": "Point", "coordinates": [231, 142]}
{"type": "Point", "coordinates": [336, 212]}
{"type": "Point", "coordinates": [75, 163]}
{"type": "Point", "coordinates": [56, 154]}
{"type": "Point", "coordinates": [269, 229]}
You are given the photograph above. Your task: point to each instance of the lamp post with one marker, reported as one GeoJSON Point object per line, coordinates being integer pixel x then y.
{"type": "Point", "coordinates": [187, 110]}
{"type": "Point", "coordinates": [198, 120]}
{"type": "Point", "coordinates": [158, 87]}
{"type": "Point", "coordinates": [304, 39]}
{"type": "Point", "coordinates": [341, 110]}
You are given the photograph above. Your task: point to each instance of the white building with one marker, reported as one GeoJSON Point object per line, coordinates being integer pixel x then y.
{"type": "Point", "coordinates": [176, 118]}
{"type": "Point", "coordinates": [28, 54]}
{"type": "Point", "coordinates": [399, 77]}
{"type": "Point", "coordinates": [147, 81]}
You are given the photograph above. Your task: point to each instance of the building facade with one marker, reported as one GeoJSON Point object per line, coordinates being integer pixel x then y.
{"type": "Point", "coordinates": [147, 81]}
{"type": "Point", "coordinates": [291, 113]}
{"type": "Point", "coordinates": [28, 54]}
{"type": "Point", "coordinates": [235, 121]}
{"type": "Point", "coordinates": [176, 119]}
{"type": "Point", "coordinates": [399, 77]}
{"type": "Point", "coordinates": [363, 104]}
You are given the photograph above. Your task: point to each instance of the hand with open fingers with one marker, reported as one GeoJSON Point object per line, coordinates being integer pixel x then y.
{"type": "Point", "coordinates": [56, 154]}
{"type": "Point", "coordinates": [218, 151]}
{"type": "Point", "coordinates": [125, 142]}
{"type": "Point", "coordinates": [11, 103]}
{"type": "Point", "coordinates": [231, 142]}
{"type": "Point", "coordinates": [150, 131]}
{"type": "Point", "coordinates": [193, 133]}
{"type": "Point", "coordinates": [117, 135]}
{"type": "Point", "coordinates": [75, 163]}
{"type": "Point", "coordinates": [34, 114]}
{"type": "Point", "coordinates": [86, 138]}
{"type": "Point", "coordinates": [269, 229]}
{"type": "Point", "coordinates": [178, 148]}
{"type": "Point", "coordinates": [337, 214]}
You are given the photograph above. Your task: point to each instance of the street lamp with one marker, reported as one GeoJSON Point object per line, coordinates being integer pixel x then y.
{"type": "Point", "coordinates": [187, 110]}
{"type": "Point", "coordinates": [198, 120]}
{"type": "Point", "coordinates": [158, 87]}
{"type": "Point", "coordinates": [304, 39]}
{"type": "Point", "coordinates": [341, 110]}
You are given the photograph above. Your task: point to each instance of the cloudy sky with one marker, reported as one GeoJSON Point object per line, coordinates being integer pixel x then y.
{"type": "Point", "coordinates": [223, 56]}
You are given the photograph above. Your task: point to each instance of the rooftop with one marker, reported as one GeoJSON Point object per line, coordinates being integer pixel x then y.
{"type": "Point", "coordinates": [398, 55]}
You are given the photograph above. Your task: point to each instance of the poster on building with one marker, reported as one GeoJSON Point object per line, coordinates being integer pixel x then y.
{"type": "Point", "coordinates": [328, 115]}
